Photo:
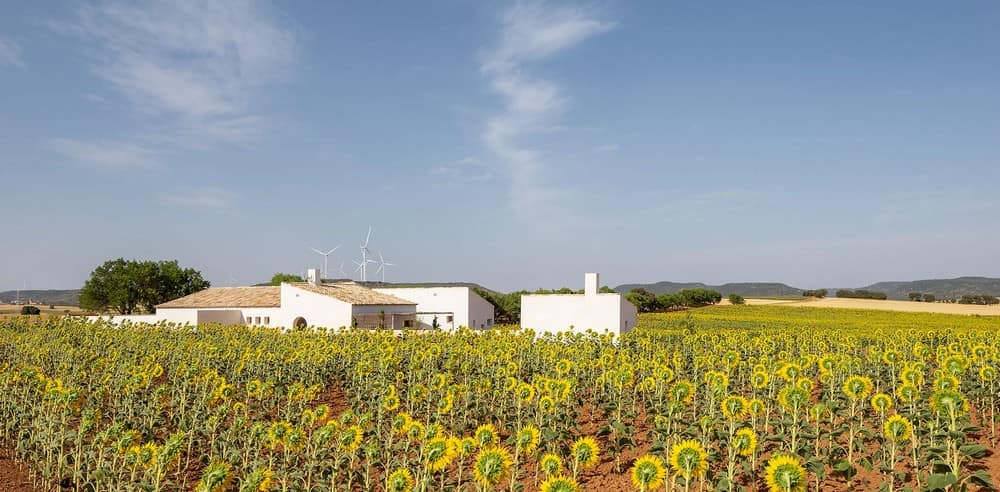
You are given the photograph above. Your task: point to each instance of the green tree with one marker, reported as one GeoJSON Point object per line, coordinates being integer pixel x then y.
{"type": "Point", "coordinates": [736, 299]}
{"type": "Point", "coordinates": [126, 286]}
{"type": "Point", "coordinates": [30, 310]}
{"type": "Point", "coordinates": [279, 277]}
{"type": "Point", "coordinates": [643, 300]}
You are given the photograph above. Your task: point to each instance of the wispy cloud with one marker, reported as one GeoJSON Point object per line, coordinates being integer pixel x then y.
{"type": "Point", "coordinates": [10, 53]}
{"type": "Point", "coordinates": [196, 63]}
{"type": "Point", "coordinates": [530, 33]}
{"type": "Point", "coordinates": [105, 154]}
{"type": "Point", "coordinates": [207, 197]}
{"type": "Point", "coordinates": [466, 171]}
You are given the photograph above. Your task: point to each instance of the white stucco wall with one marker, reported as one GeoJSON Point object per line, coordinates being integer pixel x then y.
{"type": "Point", "coordinates": [466, 307]}
{"type": "Point", "coordinates": [550, 313]}
{"type": "Point", "coordinates": [318, 310]}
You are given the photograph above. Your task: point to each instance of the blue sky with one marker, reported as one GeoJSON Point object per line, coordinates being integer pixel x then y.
{"type": "Point", "coordinates": [512, 144]}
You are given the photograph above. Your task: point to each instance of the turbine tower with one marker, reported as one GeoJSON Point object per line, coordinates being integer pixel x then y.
{"type": "Point", "coordinates": [382, 264]}
{"type": "Point", "coordinates": [363, 265]}
{"type": "Point", "coordinates": [326, 259]}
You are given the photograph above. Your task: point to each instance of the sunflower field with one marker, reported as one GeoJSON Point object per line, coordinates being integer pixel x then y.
{"type": "Point", "coordinates": [728, 398]}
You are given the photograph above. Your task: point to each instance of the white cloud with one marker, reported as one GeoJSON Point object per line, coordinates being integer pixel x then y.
{"type": "Point", "coordinates": [10, 53]}
{"type": "Point", "coordinates": [531, 32]}
{"type": "Point", "coordinates": [198, 63]}
{"type": "Point", "coordinates": [207, 197]}
{"type": "Point", "coordinates": [105, 154]}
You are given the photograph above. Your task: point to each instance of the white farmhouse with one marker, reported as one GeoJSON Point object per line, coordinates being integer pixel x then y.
{"type": "Point", "coordinates": [550, 313]}
{"type": "Point", "coordinates": [451, 306]}
{"type": "Point", "coordinates": [293, 304]}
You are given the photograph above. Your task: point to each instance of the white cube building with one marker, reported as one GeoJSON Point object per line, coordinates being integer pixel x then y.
{"type": "Point", "coordinates": [448, 307]}
{"type": "Point", "coordinates": [551, 313]}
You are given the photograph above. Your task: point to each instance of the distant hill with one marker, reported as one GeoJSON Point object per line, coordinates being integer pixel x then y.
{"type": "Point", "coordinates": [951, 288]}
{"type": "Point", "coordinates": [745, 289]}
{"type": "Point", "coordinates": [69, 297]}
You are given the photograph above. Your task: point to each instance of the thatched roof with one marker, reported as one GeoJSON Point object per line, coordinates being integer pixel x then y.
{"type": "Point", "coordinates": [221, 297]}
{"type": "Point", "coordinates": [353, 293]}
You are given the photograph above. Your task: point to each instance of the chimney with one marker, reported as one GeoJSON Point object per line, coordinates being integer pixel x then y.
{"type": "Point", "coordinates": [312, 276]}
{"type": "Point", "coordinates": [591, 282]}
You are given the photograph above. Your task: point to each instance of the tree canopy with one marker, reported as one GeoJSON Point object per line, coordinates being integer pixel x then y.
{"type": "Point", "coordinates": [129, 286]}
{"type": "Point", "coordinates": [279, 277]}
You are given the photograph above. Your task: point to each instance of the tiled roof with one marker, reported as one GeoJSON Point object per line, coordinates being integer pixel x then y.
{"type": "Point", "coordinates": [353, 293]}
{"type": "Point", "coordinates": [218, 297]}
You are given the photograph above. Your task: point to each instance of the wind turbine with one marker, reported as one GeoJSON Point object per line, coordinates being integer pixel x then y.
{"type": "Point", "coordinates": [382, 264]}
{"type": "Point", "coordinates": [363, 265]}
{"type": "Point", "coordinates": [326, 259]}
{"type": "Point", "coordinates": [340, 270]}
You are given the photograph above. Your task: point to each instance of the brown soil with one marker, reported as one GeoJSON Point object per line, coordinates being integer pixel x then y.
{"type": "Point", "coordinates": [14, 475]}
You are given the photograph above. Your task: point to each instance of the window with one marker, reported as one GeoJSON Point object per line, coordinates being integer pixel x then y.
{"type": "Point", "coordinates": [451, 319]}
{"type": "Point", "coordinates": [256, 320]}
{"type": "Point", "coordinates": [407, 323]}
{"type": "Point", "coordinates": [267, 320]}
{"type": "Point", "coordinates": [489, 322]}
{"type": "Point", "coordinates": [249, 320]}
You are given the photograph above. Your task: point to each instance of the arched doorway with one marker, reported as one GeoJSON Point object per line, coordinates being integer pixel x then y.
{"type": "Point", "coordinates": [299, 323]}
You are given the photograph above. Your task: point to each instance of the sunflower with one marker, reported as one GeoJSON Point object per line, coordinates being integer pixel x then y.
{"type": "Point", "coordinates": [911, 376]}
{"type": "Point", "coordinates": [881, 402]}
{"type": "Point", "coordinates": [216, 477]}
{"type": "Point", "coordinates": [525, 392]}
{"type": "Point", "coordinates": [550, 464]}
{"type": "Point", "coordinates": [294, 438]}
{"type": "Point", "coordinates": [756, 407]}
{"type": "Point", "coordinates": [689, 459]}
{"type": "Point", "coordinates": [445, 405]}
{"type": "Point", "coordinates": [792, 398]}
{"type": "Point", "coordinates": [907, 393]}
{"type": "Point", "coordinates": [399, 481]}
{"type": "Point", "coordinates": [949, 402]}
{"type": "Point", "coordinates": [350, 438]}
{"type": "Point", "coordinates": [784, 473]}
{"type": "Point", "coordinates": [390, 403]}
{"type": "Point", "coordinates": [789, 372]}
{"type": "Point", "coordinates": [491, 466]}
{"type": "Point", "coordinates": [956, 365]}
{"type": "Point", "coordinates": [486, 436]}
{"type": "Point", "coordinates": [987, 374]}
{"type": "Point", "coordinates": [401, 422]}
{"type": "Point", "coordinates": [527, 438]}
{"type": "Point", "coordinates": [648, 473]}
{"type": "Point", "coordinates": [760, 380]}
{"type": "Point", "coordinates": [734, 407]}
{"type": "Point", "coordinates": [438, 453]}
{"type": "Point", "coordinates": [682, 392]}
{"type": "Point", "coordinates": [559, 484]}
{"type": "Point", "coordinates": [546, 404]}
{"type": "Point", "coordinates": [857, 387]}
{"type": "Point", "coordinates": [276, 433]}
{"type": "Point", "coordinates": [946, 382]}
{"type": "Point", "coordinates": [585, 452]}
{"type": "Point", "coordinates": [563, 366]}
{"type": "Point", "coordinates": [258, 480]}
{"type": "Point", "coordinates": [898, 428]}
{"type": "Point", "coordinates": [745, 441]}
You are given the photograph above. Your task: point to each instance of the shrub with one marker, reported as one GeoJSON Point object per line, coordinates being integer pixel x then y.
{"type": "Point", "coordinates": [30, 310]}
{"type": "Point", "coordinates": [736, 299]}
